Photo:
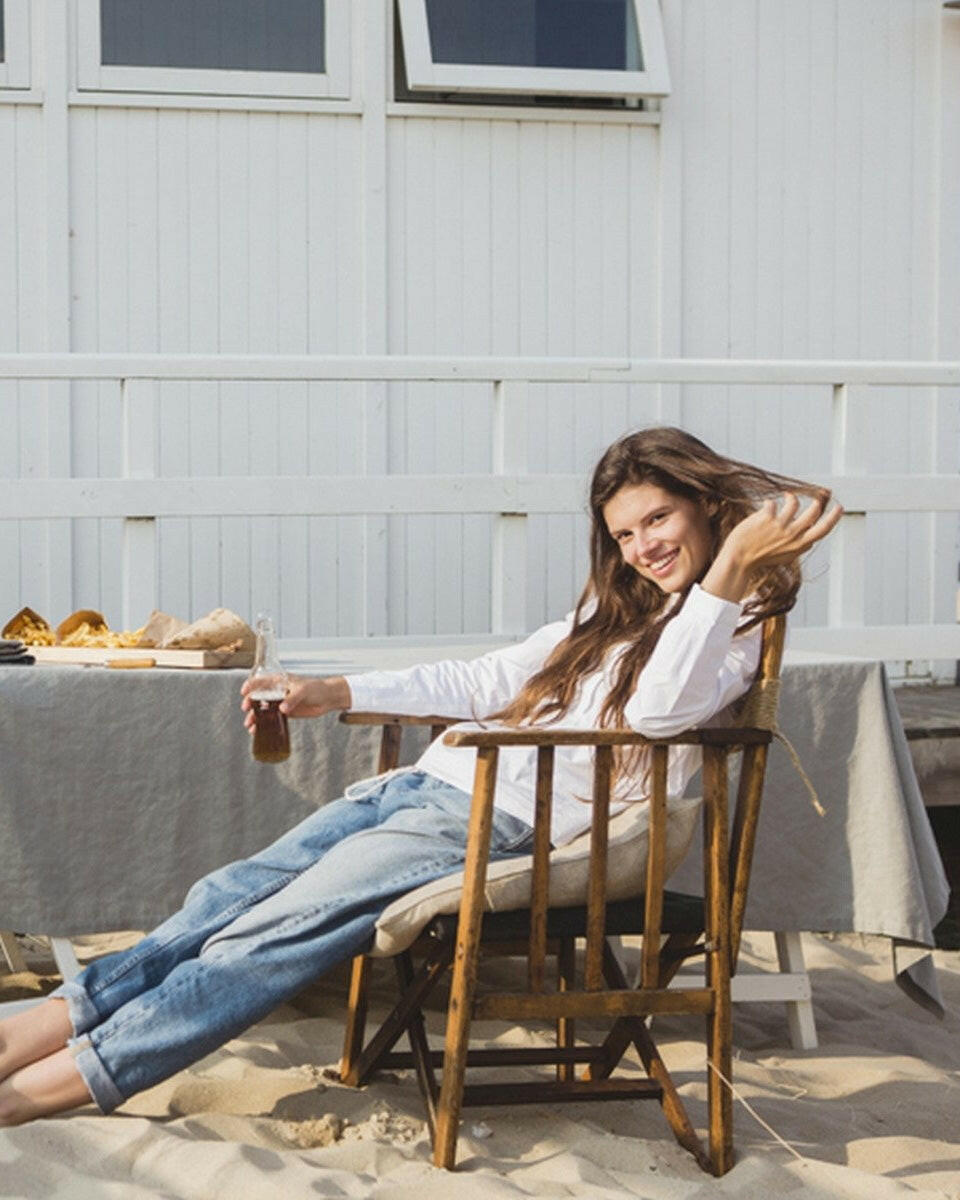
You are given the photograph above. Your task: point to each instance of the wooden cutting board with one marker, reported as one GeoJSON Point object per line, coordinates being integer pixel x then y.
{"type": "Point", "coordinates": [100, 656]}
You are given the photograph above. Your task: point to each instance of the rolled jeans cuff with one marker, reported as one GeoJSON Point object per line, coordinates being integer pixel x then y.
{"type": "Point", "coordinates": [106, 1096]}
{"type": "Point", "coordinates": [80, 1008]}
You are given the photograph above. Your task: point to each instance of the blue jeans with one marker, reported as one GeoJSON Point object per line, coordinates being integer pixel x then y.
{"type": "Point", "coordinates": [255, 932]}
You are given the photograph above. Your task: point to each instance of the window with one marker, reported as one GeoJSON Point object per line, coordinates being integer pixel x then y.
{"type": "Point", "coordinates": [225, 47]}
{"type": "Point", "coordinates": [14, 43]}
{"type": "Point", "coordinates": [611, 48]}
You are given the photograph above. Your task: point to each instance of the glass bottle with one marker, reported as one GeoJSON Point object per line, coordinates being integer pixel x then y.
{"type": "Point", "coordinates": [271, 736]}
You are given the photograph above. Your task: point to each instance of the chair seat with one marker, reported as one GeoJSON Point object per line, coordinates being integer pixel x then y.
{"type": "Point", "coordinates": [681, 914]}
{"type": "Point", "coordinates": [508, 882]}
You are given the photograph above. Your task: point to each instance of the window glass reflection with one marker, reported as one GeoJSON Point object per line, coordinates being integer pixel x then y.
{"type": "Point", "coordinates": [229, 35]}
{"type": "Point", "coordinates": [579, 34]}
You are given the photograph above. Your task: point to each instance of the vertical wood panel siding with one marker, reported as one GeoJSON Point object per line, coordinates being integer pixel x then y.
{"type": "Point", "coordinates": [800, 199]}
{"type": "Point", "coordinates": [232, 232]}
{"type": "Point", "coordinates": [512, 238]}
{"type": "Point", "coordinates": [811, 181]}
{"type": "Point", "coordinates": [23, 415]}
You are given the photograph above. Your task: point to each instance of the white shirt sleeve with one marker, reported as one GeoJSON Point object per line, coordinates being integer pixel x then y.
{"type": "Point", "coordinates": [469, 690]}
{"type": "Point", "coordinates": [696, 669]}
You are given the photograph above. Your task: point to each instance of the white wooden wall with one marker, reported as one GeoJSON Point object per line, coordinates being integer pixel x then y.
{"type": "Point", "coordinates": [798, 196]}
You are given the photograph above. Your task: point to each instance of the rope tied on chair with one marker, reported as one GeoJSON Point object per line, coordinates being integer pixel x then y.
{"type": "Point", "coordinates": [759, 711]}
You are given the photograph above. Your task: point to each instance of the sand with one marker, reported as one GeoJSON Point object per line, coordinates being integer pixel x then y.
{"type": "Point", "coordinates": [872, 1114]}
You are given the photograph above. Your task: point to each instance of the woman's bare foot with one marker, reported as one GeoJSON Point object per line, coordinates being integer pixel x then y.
{"type": "Point", "coordinates": [50, 1085]}
{"type": "Point", "coordinates": [31, 1035]}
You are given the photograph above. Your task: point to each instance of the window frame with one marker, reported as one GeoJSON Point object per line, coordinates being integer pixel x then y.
{"type": "Point", "coordinates": [425, 75]}
{"type": "Point", "coordinates": [15, 67]}
{"type": "Point", "coordinates": [334, 84]}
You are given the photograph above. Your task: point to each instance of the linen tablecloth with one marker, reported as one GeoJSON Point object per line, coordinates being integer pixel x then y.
{"type": "Point", "coordinates": [119, 788]}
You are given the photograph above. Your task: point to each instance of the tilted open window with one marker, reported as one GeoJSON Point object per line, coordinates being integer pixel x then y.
{"type": "Point", "coordinates": [611, 48]}
{"type": "Point", "coordinates": [14, 43]}
{"type": "Point", "coordinates": [221, 47]}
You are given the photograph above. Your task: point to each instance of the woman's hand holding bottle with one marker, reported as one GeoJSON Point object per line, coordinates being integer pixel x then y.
{"type": "Point", "coordinates": [303, 696]}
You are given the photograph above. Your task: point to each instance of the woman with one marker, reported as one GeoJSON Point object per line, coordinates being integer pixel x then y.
{"type": "Point", "coordinates": [690, 551]}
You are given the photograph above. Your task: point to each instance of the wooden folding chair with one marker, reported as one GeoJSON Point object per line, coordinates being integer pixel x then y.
{"type": "Point", "coordinates": [674, 928]}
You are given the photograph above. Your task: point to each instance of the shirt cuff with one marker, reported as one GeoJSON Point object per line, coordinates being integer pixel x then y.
{"type": "Point", "coordinates": [716, 610]}
{"type": "Point", "coordinates": [363, 691]}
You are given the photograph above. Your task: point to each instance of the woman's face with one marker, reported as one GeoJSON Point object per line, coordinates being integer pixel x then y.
{"type": "Point", "coordinates": [663, 536]}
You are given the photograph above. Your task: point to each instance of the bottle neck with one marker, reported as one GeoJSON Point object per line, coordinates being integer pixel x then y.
{"type": "Point", "coordinates": [266, 659]}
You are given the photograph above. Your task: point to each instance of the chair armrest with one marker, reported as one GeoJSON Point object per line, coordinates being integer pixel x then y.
{"type": "Point", "coordinates": [374, 718]}
{"type": "Point", "coordinates": [486, 738]}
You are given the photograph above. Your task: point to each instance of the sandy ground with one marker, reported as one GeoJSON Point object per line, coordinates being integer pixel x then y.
{"type": "Point", "coordinates": [874, 1113]}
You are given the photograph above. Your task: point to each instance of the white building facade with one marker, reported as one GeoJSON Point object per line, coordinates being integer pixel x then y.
{"type": "Point", "coordinates": [311, 179]}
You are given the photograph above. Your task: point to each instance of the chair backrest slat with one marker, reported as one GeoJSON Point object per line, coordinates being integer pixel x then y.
{"type": "Point", "coordinates": [750, 791]}
{"type": "Point", "coordinates": [597, 884]}
{"type": "Point", "coordinates": [540, 882]}
{"type": "Point", "coordinates": [656, 858]}
{"type": "Point", "coordinates": [716, 845]}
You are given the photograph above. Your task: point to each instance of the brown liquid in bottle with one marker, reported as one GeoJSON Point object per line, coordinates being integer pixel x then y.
{"type": "Point", "coordinates": [271, 735]}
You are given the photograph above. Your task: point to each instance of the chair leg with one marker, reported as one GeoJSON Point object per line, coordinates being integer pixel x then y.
{"type": "Point", "coordinates": [717, 912]}
{"type": "Point", "coordinates": [398, 1020]}
{"type": "Point", "coordinates": [566, 1033]}
{"type": "Point", "coordinates": [356, 1018]}
{"type": "Point", "coordinates": [417, 1033]}
{"type": "Point", "coordinates": [634, 1029]}
{"type": "Point", "coordinates": [719, 1096]}
{"type": "Point", "coordinates": [464, 981]}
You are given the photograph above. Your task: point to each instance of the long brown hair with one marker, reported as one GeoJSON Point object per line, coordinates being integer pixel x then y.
{"type": "Point", "coordinates": [619, 606]}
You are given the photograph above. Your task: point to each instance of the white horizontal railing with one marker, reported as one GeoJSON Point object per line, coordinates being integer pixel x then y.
{"type": "Point", "coordinates": [353, 495]}
{"type": "Point", "coordinates": [439, 368]}
{"type": "Point", "coordinates": [510, 492]}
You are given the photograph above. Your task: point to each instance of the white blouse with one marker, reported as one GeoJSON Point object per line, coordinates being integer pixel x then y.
{"type": "Point", "coordinates": [697, 669]}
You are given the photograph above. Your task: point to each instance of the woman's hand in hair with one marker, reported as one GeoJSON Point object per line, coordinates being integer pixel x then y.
{"type": "Point", "coordinates": [774, 535]}
{"type": "Point", "coordinates": [305, 697]}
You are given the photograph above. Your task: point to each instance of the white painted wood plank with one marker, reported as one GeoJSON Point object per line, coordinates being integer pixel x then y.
{"type": "Point", "coordinates": [432, 493]}
{"type": "Point", "coordinates": [172, 334]}
{"type": "Point", "coordinates": [503, 212]}
{"type": "Point", "coordinates": [644, 282]}
{"type": "Point", "coordinates": [800, 1019]}
{"type": "Point", "coordinates": [31, 336]}
{"type": "Point", "coordinates": [205, 300]}
{"type": "Point", "coordinates": [293, 415]}
{"type": "Point", "coordinates": [258, 232]}
{"type": "Point", "coordinates": [449, 290]}
{"type": "Point", "coordinates": [550, 369]}
{"type": "Point", "coordinates": [9, 333]}
{"type": "Point", "coordinates": [420, 207]}
{"type": "Point", "coordinates": [881, 641]}
{"type": "Point", "coordinates": [54, 147]}
{"type": "Point", "coordinates": [588, 236]}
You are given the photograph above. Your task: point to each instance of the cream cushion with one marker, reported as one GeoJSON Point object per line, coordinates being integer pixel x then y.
{"type": "Point", "coordinates": [509, 881]}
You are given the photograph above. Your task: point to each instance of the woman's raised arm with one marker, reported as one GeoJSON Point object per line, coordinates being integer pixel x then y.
{"type": "Point", "coordinates": [772, 536]}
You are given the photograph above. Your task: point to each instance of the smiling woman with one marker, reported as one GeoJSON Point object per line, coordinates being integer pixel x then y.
{"type": "Point", "coordinates": [672, 520]}
{"type": "Point", "coordinates": [689, 552]}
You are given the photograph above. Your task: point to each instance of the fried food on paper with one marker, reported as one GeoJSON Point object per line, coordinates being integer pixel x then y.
{"type": "Point", "coordinates": [100, 637]}
{"type": "Point", "coordinates": [220, 631]}
{"type": "Point", "coordinates": [30, 628]}
{"type": "Point", "coordinates": [86, 619]}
